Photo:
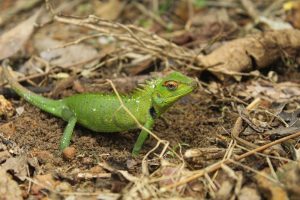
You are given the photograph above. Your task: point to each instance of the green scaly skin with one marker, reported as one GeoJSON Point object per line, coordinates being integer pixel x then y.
{"type": "Point", "coordinates": [103, 112]}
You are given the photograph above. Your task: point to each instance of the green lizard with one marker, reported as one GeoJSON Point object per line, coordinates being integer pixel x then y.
{"type": "Point", "coordinates": [103, 112]}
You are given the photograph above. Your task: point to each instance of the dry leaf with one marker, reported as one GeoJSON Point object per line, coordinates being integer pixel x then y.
{"type": "Point", "coordinates": [278, 92]}
{"type": "Point", "coordinates": [65, 57]}
{"type": "Point", "coordinates": [253, 51]}
{"type": "Point", "coordinates": [13, 40]}
{"type": "Point", "coordinates": [18, 165]}
{"type": "Point", "coordinates": [9, 189]}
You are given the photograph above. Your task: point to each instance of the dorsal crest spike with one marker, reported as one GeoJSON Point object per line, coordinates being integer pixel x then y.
{"type": "Point", "coordinates": [145, 87]}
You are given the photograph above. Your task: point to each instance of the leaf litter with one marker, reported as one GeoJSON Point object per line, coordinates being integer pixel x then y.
{"type": "Point", "coordinates": [227, 140]}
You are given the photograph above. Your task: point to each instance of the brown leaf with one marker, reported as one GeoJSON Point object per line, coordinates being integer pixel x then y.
{"type": "Point", "coordinates": [9, 189]}
{"type": "Point", "coordinates": [17, 162]}
{"type": "Point", "coordinates": [14, 39]}
{"type": "Point", "coordinates": [258, 51]}
{"type": "Point", "coordinates": [278, 92]}
{"type": "Point", "coordinates": [19, 165]}
{"type": "Point", "coordinates": [78, 54]}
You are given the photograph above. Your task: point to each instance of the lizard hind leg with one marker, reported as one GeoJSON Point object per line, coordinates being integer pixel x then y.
{"type": "Point", "coordinates": [68, 132]}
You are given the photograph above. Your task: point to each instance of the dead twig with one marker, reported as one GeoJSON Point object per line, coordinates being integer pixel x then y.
{"type": "Point", "coordinates": [138, 38]}
{"type": "Point", "coordinates": [238, 126]}
{"type": "Point", "coordinates": [217, 165]}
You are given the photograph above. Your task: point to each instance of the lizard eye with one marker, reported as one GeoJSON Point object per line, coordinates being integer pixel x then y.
{"type": "Point", "coordinates": [171, 85]}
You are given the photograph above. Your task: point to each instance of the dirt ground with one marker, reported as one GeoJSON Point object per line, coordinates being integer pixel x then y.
{"type": "Point", "coordinates": [238, 58]}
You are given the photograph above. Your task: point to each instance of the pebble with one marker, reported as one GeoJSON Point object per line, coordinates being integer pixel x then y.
{"type": "Point", "coordinates": [69, 153]}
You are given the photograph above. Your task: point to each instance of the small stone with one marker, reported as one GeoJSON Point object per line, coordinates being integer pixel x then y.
{"type": "Point", "coordinates": [69, 153]}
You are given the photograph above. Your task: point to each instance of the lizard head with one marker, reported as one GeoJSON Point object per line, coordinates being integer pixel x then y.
{"type": "Point", "coordinates": [170, 89]}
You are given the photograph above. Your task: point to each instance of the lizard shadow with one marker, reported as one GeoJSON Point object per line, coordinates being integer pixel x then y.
{"type": "Point", "coordinates": [120, 141]}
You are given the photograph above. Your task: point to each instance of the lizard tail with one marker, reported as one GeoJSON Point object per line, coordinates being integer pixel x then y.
{"type": "Point", "coordinates": [54, 107]}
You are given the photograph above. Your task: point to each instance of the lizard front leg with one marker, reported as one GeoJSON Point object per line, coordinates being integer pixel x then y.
{"type": "Point", "coordinates": [70, 117]}
{"type": "Point", "coordinates": [143, 136]}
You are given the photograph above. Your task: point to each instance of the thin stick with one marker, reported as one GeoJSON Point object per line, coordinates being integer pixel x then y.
{"type": "Point", "coordinates": [217, 165]}
{"type": "Point", "coordinates": [238, 126]}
